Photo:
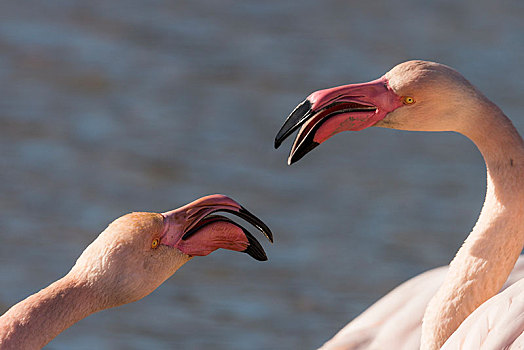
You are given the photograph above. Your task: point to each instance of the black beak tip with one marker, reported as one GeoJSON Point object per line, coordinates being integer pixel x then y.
{"type": "Point", "coordinates": [298, 117]}
{"type": "Point", "coordinates": [295, 157]}
{"type": "Point", "coordinates": [254, 249]}
{"type": "Point", "coordinates": [259, 224]}
{"type": "Point", "coordinates": [303, 149]}
{"type": "Point", "coordinates": [256, 256]}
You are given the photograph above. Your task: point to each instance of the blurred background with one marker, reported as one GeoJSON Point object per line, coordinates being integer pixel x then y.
{"type": "Point", "coordinates": [108, 107]}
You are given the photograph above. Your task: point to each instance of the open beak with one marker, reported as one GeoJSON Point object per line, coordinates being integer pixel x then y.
{"type": "Point", "coordinates": [197, 229]}
{"type": "Point", "coordinates": [325, 113]}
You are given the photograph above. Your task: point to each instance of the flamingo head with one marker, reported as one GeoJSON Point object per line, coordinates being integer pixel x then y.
{"type": "Point", "coordinates": [414, 95]}
{"type": "Point", "coordinates": [139, 251]}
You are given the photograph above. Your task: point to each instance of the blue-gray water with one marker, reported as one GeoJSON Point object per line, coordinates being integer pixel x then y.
{"type": "Point", "coordinates": [108, 107]}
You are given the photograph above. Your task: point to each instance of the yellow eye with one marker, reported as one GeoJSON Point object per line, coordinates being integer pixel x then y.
{"type": "Point", "coordinates": [409, 100]}
{"type": "Point", "coordinates": [155, 243]}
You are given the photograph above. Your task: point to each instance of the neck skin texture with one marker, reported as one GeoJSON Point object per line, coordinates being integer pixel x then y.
{"type": "Point", "coordinates": [488, 255]}
{"type": "Point", "coordinates": [35, 321]}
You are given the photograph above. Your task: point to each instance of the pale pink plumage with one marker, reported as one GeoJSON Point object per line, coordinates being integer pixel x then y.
{"type": "Point", "coordinates": [427, 96]}
{"type": "Point", "coordinates": [496, 324]}
{"type": "Point", "coordinates": [394, 321]}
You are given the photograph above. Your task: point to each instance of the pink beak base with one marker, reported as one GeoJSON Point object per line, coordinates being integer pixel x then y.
{"type": "Point", "coordinates": [194, 231]}
{"type": "Point", "coordinates": [327, 112]}
{"type": "Point", "coordinates": [213, 236]}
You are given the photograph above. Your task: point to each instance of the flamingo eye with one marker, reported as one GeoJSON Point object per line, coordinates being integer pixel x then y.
{"type": "Point", "coordinates": [155, 243]}
{"type": "Point", "coordinates": [408, 100]}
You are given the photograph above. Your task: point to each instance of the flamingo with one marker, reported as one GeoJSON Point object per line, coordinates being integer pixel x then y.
{"type": "Point", "coordinates": [134, 255]}
{"type": "Point", "coordinates": [428, 96]}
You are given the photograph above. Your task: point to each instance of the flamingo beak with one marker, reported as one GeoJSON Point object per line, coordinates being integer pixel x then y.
{"type": "Point", "coordinates": [327, 112]}
{"type": "Point", "coordinates": [196, 229]}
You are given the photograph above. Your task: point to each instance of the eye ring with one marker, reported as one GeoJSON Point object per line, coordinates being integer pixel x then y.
{"type": "Point", "coordinates": [408, 100]}
{"type": "Point", "coordinates": [155, 243]}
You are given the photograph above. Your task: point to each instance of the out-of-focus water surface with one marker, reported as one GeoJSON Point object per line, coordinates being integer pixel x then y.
{"type": "Point", "coordinates": [108, 107]}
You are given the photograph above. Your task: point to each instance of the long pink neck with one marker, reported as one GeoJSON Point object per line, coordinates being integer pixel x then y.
{"type": "Point", "coordinates": [35, 321]}
{"type": "Point", "coordinates": [488, 255]}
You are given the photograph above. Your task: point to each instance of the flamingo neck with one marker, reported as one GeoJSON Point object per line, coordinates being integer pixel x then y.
{"type": "Point", "coordinates": [35, 321]}
{"type": "Point", "coordinates": [488, 255]}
